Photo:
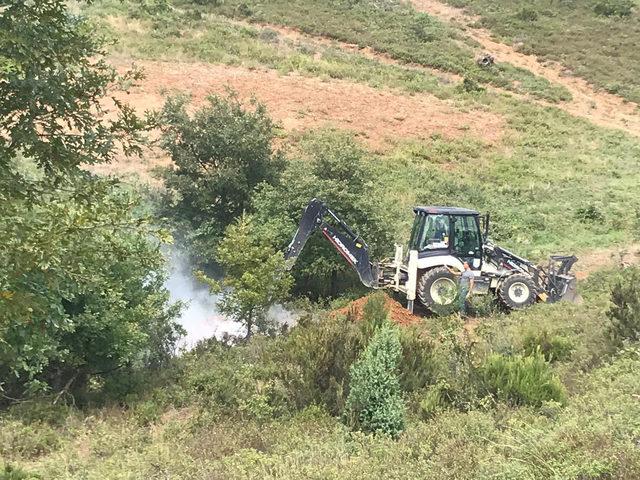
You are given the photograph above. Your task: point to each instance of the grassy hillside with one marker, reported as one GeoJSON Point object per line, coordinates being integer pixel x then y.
{"type": "Point", "coordinates": [549, 174]}
{"type": "Point", "coordinates": [546, 393]}
{"type": "Point", "coordinates": [393, 28]}
{"type": "Point", "coordinates": [596, 40]}
{"type": "Point", "coordinates": [244, 412]}
{"type": "Point", "coordinates": [404, 34]}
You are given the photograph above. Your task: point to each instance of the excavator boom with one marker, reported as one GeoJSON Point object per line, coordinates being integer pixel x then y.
{"type": "Point", "coordinates": [350, 245]}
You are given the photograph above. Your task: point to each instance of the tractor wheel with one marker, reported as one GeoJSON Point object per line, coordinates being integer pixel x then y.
{"type": "Point", "coordinates": [437, 288]}
{"type": "Point", "coordinates": [517, 291]}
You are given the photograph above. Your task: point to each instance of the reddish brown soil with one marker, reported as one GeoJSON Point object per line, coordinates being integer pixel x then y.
{"type": "Point", "coordinates": [397, 313]}
{"type": "Point", "coordinates": [590, 262]}
{"type": "Point", "coordinates": [380, 116]}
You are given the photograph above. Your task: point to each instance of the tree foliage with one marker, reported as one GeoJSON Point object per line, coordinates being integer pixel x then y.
{"type": "Point", "coordinates": [625, 308]}
{"type": "Point", "coordinates": [80, 287]}
{"type": "Point", "coordinates": [330, 167]}
{"type": "Point", "coordinates": [220, 154]}
{"type": "Point", "coordinates": [255, 277]}
{"type": "Point", "coordinates": [52, 89]}
{"type": "Point", "coordinates": [81, 272]}
{"type": "Point", "coordinates": [375, 401]}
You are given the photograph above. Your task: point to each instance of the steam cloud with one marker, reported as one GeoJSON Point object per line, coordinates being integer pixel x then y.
{"type": "Point", "coordinates": [200, 317]}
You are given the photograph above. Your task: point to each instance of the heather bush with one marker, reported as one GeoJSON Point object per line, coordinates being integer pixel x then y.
{"type": "Point", "coordinates": [624, 312]}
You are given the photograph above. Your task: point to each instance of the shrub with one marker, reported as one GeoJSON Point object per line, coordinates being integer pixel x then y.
{"type": "Point", "coordinates": [432, 402]}
{"type": "Point", "coordinates": [322, 353]}
{"type": "Point", "coordinates": [625, 309]}
{"type": "Point", "coordinates": [375, 401]}
{"type": "Point", "coordinates": [614, 8]}
{"type": "Point", "coordinates": [374, 313]}
{"type": "Point", "coordinates": [27, 440]}
{"type": "Point", "coordinates": [420, 363]}
{"type": "Point", "coordinates": [234, 381]}
{"type": "Point", "coordinates": [527, 15]}
{"type": "Point", "coordinates": [469, 85]}
{"type": "Point", "coordinates": [590, 213]}
{"type": "Point", "coordinates": [522, 380]}
{"type": "Point", "coordinates": [14, 473]}
{"type": "Point", "coordinates": [552, 347]}
{"type": "Point", "coordinates": [458, 383]}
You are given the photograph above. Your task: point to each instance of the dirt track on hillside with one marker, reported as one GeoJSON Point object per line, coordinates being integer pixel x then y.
{"type": "Point", "coordinates": [599, 107]}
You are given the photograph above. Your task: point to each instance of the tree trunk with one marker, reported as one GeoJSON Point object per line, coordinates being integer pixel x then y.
{"type": "Point", "coordinates": [249, 325]}
{"type": "Point", "coordinates": [333, 284]}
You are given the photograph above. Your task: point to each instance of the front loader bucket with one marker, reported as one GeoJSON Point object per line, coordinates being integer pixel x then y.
{"type": "Point", "coordinates": [562, 286]}
{"type": "Point", "coordinates": [571, 292]}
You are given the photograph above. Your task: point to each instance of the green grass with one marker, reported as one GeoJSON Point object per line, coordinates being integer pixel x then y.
{"type": "Point", "coordinates": [178, 429]}
{"type": "Point", "coordinates": [548, 167]}
{"type": "Point", "coordinates": [215, 39]}
{"type": "Point", "coordinates": [195, 31]}
{"type": "Point", "coordinates": [392, 28]}
{"type": "Point", "coordinates": [603, 50]}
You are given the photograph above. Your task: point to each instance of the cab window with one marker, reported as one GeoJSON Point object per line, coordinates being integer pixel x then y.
{"type": "Point", "coordinates": [430, 232]}
{"type": "Point", "coordinates": [466, 236]}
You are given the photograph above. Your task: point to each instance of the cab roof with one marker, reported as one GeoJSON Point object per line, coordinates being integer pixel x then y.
{"type": "Point", "coordinates": [438, 210]}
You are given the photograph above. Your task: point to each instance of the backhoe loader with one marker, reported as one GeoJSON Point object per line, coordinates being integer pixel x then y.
{"type": "Point", "coordinates": [442, 240]}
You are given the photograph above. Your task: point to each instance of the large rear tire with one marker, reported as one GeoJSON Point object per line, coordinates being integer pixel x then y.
{"type": "Point", "coordinates": [437, 289]}
{"type": "Point", "coordinates": [517, 291]}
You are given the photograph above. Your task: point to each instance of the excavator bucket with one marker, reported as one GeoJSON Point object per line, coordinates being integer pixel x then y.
{"type": "Point", "coordinates": [571, 292]}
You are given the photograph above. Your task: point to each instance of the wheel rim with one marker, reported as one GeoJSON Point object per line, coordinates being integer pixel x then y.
{"type": "Point", "coordinates": [443, 291]}
{"type": "Point", "coordinates": [518, 292]}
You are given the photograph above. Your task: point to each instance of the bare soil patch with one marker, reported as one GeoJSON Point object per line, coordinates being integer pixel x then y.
{"type": "Point", "coordinates": [599, 107]}
{"type": "Point", "coordinates": [380, 117]}
{"type": "Point", "coordinates": [397, 313]}
{"type": "Point", "coordinates": [607, 257]}
{"type": "Point", "coordinates": [299, 103]}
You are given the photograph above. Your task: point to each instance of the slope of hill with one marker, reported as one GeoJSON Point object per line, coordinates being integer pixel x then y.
{"type": "Point", "coordinates": [547, 393]}
{"type": "Point", "coordinates": [532, 165]}
{"type": "Point", "coordinates": [587, 101]}
{"type": "Point", "coordinates": [596, 40]}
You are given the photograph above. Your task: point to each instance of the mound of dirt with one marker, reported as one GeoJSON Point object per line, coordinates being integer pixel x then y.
{"type": "Point", "coordinates": [397, 313]}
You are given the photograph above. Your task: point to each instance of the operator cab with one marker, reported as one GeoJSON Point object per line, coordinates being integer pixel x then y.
{"type": "Point", "coordinates": [447, 231]}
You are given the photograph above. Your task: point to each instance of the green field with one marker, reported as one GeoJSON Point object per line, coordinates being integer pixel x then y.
{"type": "Point", "coordinates": [548, 168]}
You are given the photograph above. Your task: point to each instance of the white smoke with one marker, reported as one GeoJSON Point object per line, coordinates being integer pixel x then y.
{"type": "Point", "coordinates": [200, 317]}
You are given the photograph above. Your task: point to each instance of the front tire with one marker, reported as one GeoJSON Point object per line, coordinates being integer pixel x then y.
{"type": "Point", "coordinates": [518, 291]}
{"type": "Point", "coordinates": [437, 288]}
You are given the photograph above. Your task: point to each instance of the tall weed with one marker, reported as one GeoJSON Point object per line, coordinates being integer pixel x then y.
{"type": "Point", "coordinates": [519, 380]}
